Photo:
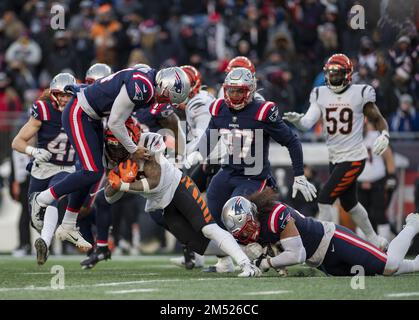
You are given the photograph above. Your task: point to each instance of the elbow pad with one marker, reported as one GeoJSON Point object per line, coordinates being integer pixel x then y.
{"type": "Point", "coordinates": [295, 245]}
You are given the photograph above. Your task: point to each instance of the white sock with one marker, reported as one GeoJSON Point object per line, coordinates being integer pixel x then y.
{"type": "Point", "coordinates": [384, 231]}
{"type": "Point", "coordinates": [408, 266]}
{"type": "Point", "coordinates": [45, 198]}
{"type": "Point", "coordinates": [213, 249]}
{"type": "Point", "coordinates": [325, 212]}
{"type": "Point", "coordinates": [50, 223]}
{"type": "Point", "coordinates": [70, 218]}
{"type": "Point", "coordinates": [397, 248]}
{"type": "Point", "coordinates": [360, 217]}
{"type": "Point", "coordinates": [225, 242]}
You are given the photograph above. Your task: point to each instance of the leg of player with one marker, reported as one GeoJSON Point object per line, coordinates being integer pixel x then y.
{"type": "Point", "coordinates": [190, 203]}
{"type": "Point", "coordinates": [396, 264]}
{"type": "Point", "coordinates": [86, 136]}
{"type": "Point", "coordinates": [103, 224]}
{"type": "Point", "coordinates": [47, 233]}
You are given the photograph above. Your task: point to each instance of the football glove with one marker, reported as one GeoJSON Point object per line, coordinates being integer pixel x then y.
{"type": "Point", "coordinates": [114, 180]}
{"type": "Point", "coordinates": [391, 182]}
{"type": "Point", "coordinates": [38, 153]}
{"type": "Point", "coordinates": [306, 188]}
{"type": "Point", "coordinates": [381, 143]}
{"type": "Point", "coordinates": [128, 171]}
{"type": "Point", "coordinates": [249, 270]}
{"type": "Point", "coordinates": [292, 117]}
{"type": "Point", "coordinates": [253, 250]}
{"type": "Point", "coordinates": [192, 159]}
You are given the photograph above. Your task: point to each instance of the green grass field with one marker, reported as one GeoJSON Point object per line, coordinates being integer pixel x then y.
{"type": "Point", "coordinates": [154, 278]}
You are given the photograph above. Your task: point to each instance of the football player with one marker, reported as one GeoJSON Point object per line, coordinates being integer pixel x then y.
{"type": "Point", "coordinates": [116, 96]}
{"type": "Point", "coordinates": [53, 156]}
{"type": "Point", "coordinates": [331, 248]}
{"type": "Point", "coordinates": [186, 214]}
{"type": "Point", "coordinates": [342, 107]}
{"type": "Point", "coordinates": [245, 126]}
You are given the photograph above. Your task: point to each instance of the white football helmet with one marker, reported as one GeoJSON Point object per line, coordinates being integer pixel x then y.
{"type": "Point", "coordinates": [239, 88]}
{"type": "Point", "coordinates": [57, 85]}
{"type": "Point", "coordinates": [238, 216]}
{"type": "Point", "coordinates": [173, 86]}
{"type": "Point", "coordinates": [96, 72]}
{"type": "Point", "coordinates": [154, 142]}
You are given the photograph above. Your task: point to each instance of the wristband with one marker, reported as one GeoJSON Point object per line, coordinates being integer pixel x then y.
{"type": "Point", "coordinates": [385, 132]}
{"type": "Point", "coordinates": [146, 186]}
{"type": "Point", "coordinates": [29, 150]}
{"type": "Point", "coordinates": [124, 186]}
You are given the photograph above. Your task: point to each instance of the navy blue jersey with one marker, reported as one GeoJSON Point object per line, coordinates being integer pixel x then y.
{"type": "Point", "coordinates": [272, 224]}
{"type": "Point", "coordinates": [140, 87]}
{"type": "Point", "coordinates": [247, 133]}
{"type": "Point", "coordinates": [51, 135]}
{"type": "Point", "coordinates": [150, 118]}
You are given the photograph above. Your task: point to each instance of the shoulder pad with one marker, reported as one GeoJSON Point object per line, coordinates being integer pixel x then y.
{"type": "Point", "coordinates": [40, 110]}
{"type": "Point", "coordinates": [267, 111]}
{"type": "Point", "coordinates": [161, 109]}
{"type": "Point", "coordinates": [278, 218]}
{"type": "Point", "coordinates": [215, 107]}
{"type": "Point", "coordinates": [140, 88]}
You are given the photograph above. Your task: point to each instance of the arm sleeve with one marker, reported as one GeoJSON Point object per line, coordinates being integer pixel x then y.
{"type": "Point", "coordinates": [312, 115]}
{"type": "Point", "coordinates": [121, 110]}
{"type": "Point", "coordinates": [294, 253]}
{"type": "Point", "coordinates": [282, 134]}
{"type": "Point", "coordinates": [202, 122]}
{"type": "Point", "coordinates": [208, 140]}
{"type": "Point", "coordinates": [368, 94]}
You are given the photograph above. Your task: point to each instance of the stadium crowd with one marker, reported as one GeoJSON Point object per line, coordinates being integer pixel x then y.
{"type": "Point", "coordinates": [288, 41]}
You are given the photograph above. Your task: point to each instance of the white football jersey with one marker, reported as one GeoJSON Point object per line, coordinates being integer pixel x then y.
{"type": "Point", "coordinates": [161, 196]}
{"type": "Point", "coordinates": [197, 118]}
{"type": "Point", "coordinates": [375, 168]}
{"type": "Point", "coordinates": [343, 120]}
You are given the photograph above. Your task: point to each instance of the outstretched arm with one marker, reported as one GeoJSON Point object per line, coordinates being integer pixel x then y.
{"type": "Point", "coordinates": [172, 123]}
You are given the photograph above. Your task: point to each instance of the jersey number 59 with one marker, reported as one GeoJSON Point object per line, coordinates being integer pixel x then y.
{"type": "Point", "coordinates": [345, 117]}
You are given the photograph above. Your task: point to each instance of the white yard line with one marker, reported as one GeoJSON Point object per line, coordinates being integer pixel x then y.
{"type": "Point", "coordinates": [259, 293]}
{"type": "Point", "coordinates": [402, 294]}
{"type": "Point", "coordinates": [131, 291]}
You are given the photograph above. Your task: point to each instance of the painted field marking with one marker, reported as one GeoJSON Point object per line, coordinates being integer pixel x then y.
{"type": "Point", "coordinates": [402, 294]}
{"type": "Point", "coordinates": [259, 293]}
{"type": "Point", "coordinates": [131, 291]}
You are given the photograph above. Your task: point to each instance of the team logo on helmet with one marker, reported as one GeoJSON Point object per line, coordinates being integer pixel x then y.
{"type": "Point", "coordinates": [178, 83]}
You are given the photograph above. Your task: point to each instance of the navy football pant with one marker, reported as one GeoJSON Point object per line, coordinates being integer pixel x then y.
{"type": "Point", "coordinates": [86, 137]}
{"type": "Point", "coordinates": [38, 185]}
{"type": "Point", "coordinates": [224, 186]}
{"type": "Point", "coordinates": [347, 250]}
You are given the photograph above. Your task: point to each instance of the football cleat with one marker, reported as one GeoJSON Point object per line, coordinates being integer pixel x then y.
{"type": "Point", "coordinates": [37, 212]}
{"type": "Point", "coordinates": [413, 219]}
{"type": "Point", "coordinates": [73, 235]}
{"type": "Point", "coordinates": [41, 251]}
{"type": "Point", "coordinates": [97, 255]}
{"type": "Point", "coordinates": [194, 261]}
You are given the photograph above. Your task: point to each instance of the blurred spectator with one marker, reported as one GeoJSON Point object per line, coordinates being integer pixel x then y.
{"type": "Point", "coordinates": [62, 56]}
{"type": "Point", "coordinates": [366, 56]}
{"type": "Point", "coordinates": [406, 118]}
{"type": "Point", "coordinates": [13, 27]}
{"type": "Point", "coordinates": [10, 110]}
{"type": "Point", "coordinates": [105, 34]}
{"type": "Point", "coordinates": [383, 85]}
{"type": "Point", "coordinates": [401, 60]}
{"type": "Point", "coordinates": [26, 50]}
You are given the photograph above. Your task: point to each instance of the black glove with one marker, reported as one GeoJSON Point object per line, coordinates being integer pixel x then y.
{"type": "Point", "coordinates": [391, 182]}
